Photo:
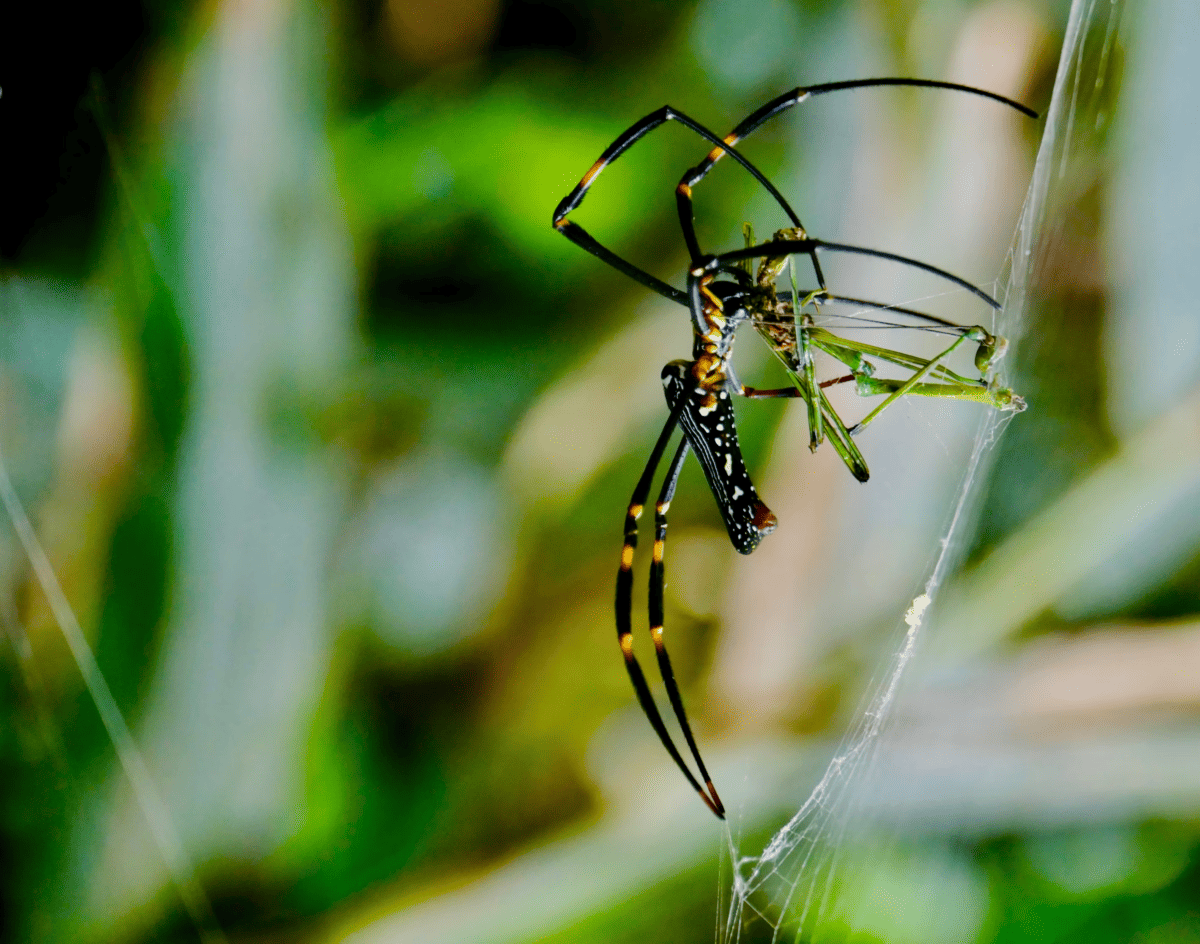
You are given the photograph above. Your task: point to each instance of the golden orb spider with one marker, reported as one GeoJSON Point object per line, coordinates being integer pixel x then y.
{"type": "Point", "coordinates": [722, 294]}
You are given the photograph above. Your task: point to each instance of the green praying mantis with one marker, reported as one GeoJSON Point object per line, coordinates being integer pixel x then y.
{"type": "Point", "coordinates": [789, 328]}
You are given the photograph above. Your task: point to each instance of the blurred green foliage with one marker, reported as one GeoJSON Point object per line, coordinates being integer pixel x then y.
{"type": "Point", "coordinates": [327, 434]}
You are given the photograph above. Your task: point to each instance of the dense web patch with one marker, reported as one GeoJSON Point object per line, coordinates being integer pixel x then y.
{"type": "Point", "coordinates": [788, 890]}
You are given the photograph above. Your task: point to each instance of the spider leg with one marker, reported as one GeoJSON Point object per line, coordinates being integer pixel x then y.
{"type": "Point", "coordinates": [582, 238]}
{"type": "Point", "coordinates": [829, 298]}
{"type": "Point", "coordinates": [823, 297]}
{"type": "Point", "coordinates": [578, 235]}
{"type": "Point", "coordinates": [687, 220]}
{"type": "Point", "coordinates": [831, 423]}
{"type": "Point", "coordinates": [779, 393]}
{"type": "Point", "coordinates": [753, 393]}
{"type": "Point", "coordinates": [782, 103]}
{"type": "Point", "coordinates": [785, 247]}
{"type": "Point", "coordinates": [625, 609]}
{"type": "Point", "coordinates": [657, 583]}
{"type": "Point", "coordinates": [777, 106]}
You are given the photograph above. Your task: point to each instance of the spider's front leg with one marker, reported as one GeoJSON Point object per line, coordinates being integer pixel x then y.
{"type": "Point", "coordinates": [578, 235]}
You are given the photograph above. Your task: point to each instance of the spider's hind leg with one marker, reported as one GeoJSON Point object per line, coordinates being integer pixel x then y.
{"type": "Point", "coordinates": [624, 607]}
{"type": "Point", "coordinates": [657, 585]}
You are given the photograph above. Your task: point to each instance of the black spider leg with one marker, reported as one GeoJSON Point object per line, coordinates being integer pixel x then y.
{"type": "Point", "coordinates": [757, 393]}
{"type": "Point", "coordinates": [657, 585]}
{"type": "Point", "coordinates": [578, 235]}
{"type": "Point", "coordinates": [777, 106]}
{"type": "Point", "coordinates": [687, 216]}
{"type": "Point", "coordinates": [786, 247]}
{"type": "Point", "coordinates": [624, 603]}
{"type": "Point", "coordinates": [781, 104]}
{"type": "Point", "coordinates": [582, 238]}
{"type": "Point", "coordinates": [804, 92]}
{"type": "Point", "coordinates": [932, 323]}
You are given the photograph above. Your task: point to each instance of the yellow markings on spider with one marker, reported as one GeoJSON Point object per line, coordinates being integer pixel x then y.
{"type": "Point", "coordinates": [592, 174]}
{"type": "Point", "coordinates": [720, 305]}
{"type": "Point", "coordinates": [718, 152]}
{"type": "Point", "coordinates": [626, 557]}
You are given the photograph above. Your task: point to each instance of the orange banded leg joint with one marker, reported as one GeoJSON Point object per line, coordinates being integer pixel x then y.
{"type": "Point", "coordinates": [624, 141]}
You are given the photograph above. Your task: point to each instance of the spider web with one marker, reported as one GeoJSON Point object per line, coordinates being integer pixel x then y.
{"type": "Point", "coordinates": [788, 891]}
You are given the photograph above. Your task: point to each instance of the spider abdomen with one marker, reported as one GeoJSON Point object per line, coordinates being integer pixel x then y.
{"type": "Point", "coordinates": [708, 423]}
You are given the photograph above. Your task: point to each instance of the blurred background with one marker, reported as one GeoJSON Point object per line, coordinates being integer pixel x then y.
{"type": "Point", "coordinates": [328, 437]}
